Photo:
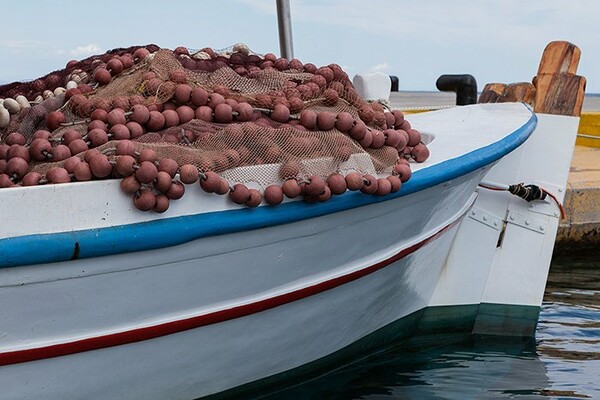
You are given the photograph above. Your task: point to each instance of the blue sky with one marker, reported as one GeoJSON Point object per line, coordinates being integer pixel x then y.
{"type": "Point", "coordinates": [493, 40]}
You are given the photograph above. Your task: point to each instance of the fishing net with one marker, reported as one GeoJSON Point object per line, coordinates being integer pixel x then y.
{"type": "Point", "coordinates": [254, 127]}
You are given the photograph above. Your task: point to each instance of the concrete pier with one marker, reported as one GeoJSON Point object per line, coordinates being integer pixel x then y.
{"type": "Point", "coordinates": [581, 228]}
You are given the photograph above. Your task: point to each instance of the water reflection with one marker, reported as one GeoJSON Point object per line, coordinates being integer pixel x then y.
{"type": "Point", "coordinates": [563, 362]}
{"type": "Point", "coordinates": [569, 328]}
{"type": "Point", "coordinates": [475, 369]}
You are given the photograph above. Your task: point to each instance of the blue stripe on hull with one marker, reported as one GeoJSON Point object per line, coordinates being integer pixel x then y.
{"type": "Point", "coordinates": [64, 246]}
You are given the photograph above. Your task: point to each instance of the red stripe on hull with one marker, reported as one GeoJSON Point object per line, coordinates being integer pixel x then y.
{"type": "Point", "coordinates": [168, 328]}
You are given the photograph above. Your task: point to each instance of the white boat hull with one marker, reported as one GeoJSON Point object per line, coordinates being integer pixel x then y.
{"type": "Point", "coordinates": [307, 314]}
{"type": "Point", "coordinates": [108, 302]}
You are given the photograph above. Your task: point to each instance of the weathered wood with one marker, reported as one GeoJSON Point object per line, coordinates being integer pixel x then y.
{"type": "Point", "coordinates": [491, 92]}
{"type": "Point", "coordinates": [559, 57]}
{"type": "Point", "coordinates": [501, 93]}
{"type": "Point", "coordinates": [560, 94]}
{"type": "Point", "coordinates": [555, 90]}
{"type": "Point", "coordinates": [519, 92]}
{"type": "Point", "coordinates": [496, 87]}
{"type": "Point", "coordinates": [558, 89]}
{"type": "Point", "coordinates": [488, 96]}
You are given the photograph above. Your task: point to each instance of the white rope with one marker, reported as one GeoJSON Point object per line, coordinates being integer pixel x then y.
{"type": "Point", "coordinates": [425, 108]}
{"type": "Point", "coordinates": [583, 135]}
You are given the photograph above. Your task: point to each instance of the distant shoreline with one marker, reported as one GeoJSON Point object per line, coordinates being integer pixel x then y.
{"type": "Point", "coordinates": [402, 91]}
{"type": "Point", "coordinates": [407, 99]}
{"type": "Point", "coordinates": [435, 91]}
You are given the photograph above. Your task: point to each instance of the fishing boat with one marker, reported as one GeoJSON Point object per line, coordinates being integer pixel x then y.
{"type": "Point", "coordinates": [101, 300]}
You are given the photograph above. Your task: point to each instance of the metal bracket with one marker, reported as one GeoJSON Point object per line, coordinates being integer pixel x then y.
{"type": "Point", "coordinates": [485, 218]}
{"type": "Point", "coordinates": [547, 206]}
{"type": "Point", "coordinates": [530, 222]}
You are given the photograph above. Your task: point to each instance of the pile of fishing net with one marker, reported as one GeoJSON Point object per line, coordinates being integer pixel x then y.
{"type": "Point", "coordinates": [253, 127]}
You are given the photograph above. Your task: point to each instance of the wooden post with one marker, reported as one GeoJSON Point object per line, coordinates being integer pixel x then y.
{"type": "Point", "coordinates": [558, 90]}
{"type": "Point", "coordinates": [560, 94]}
{"type": "Point", "coordinates": [559, 58]}
{"type": "Point", "coordinates": [555, 90]}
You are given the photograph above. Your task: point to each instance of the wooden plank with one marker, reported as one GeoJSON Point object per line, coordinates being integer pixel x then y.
{"type": "Point", "coordinates": [560, 94]}
{"type": "Point", "coordinates": [559, 57]}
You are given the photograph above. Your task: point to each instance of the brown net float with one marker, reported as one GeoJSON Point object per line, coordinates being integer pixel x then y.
{"type": "Point", "coordinates": [255, 127]}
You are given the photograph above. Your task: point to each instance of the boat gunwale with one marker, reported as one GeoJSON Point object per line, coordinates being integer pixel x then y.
{"type": "Point", "coordinates": [167, 232]}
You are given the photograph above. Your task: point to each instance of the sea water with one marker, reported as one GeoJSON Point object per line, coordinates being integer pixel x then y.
{"type": "Point", "coordinates": [561, 362]}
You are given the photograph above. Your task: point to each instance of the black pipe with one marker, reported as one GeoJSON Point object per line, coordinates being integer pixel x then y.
{"type": "Point", "coordinates": [465, 87]}
{"type": "Point", "coordinates": [395, 83]}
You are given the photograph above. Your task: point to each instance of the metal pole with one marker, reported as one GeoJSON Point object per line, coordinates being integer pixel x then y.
{"type": "Point", "coordinates": [284, 23]}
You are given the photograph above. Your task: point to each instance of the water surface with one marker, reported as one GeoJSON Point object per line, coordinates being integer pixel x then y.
{"type": "Point", "coordinates": [562, 362]}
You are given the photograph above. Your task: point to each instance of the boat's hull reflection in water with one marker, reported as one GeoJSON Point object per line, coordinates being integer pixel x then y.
{"type": "Point", "coordinates": [561, 362]}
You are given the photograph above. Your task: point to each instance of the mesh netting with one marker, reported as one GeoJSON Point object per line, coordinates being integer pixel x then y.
{"type": "Point", "coordinates": [254, 127]}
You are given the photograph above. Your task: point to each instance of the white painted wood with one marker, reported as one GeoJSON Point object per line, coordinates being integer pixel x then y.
{"type": "Point", "coordinates": [516, 272]}
{"type": "Point", "coordinates": [115, 293]}
{"type": "Point", "coordinates": [63, 302]}
{"type": "Point", "coordinates": [157, 288]}
{"type": "Point", "coordinates": [520, 267]}
{"type": "Point", "coordinates": [194, 363]}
